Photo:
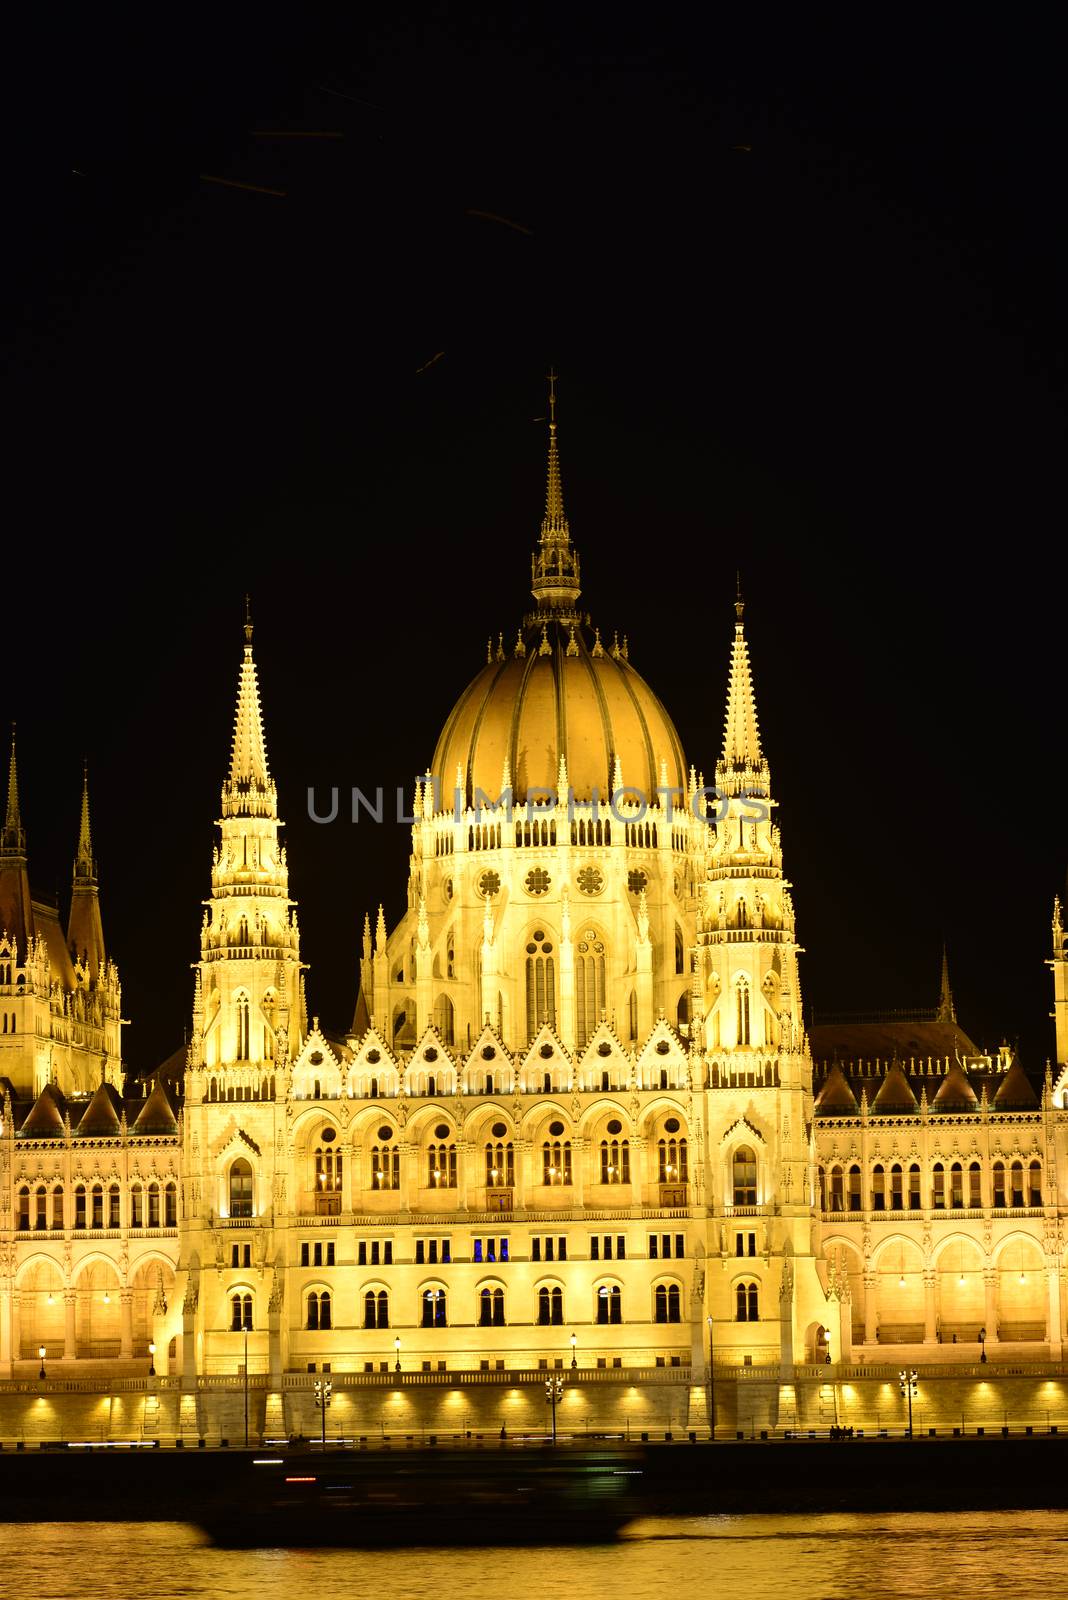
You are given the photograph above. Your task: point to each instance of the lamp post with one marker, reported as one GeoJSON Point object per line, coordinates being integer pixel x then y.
{"type": "Point", "coordinates": [396, 1346]}
{"type": "Point", "coordinates": [554, 1391]}
{"type": "Point", "coordinates": [246, 1388]}
{"type": "Point", "coordinates": [323, 1390]}
{"type": "Point", "coordinates": [982, 1345]}
{"type": "Point", "coordinates": [152, 1361]}
{"type": "Point", "coordinates": [574, 1357]}
{"type": "Point", "coordinates": [711, 1381]}
{"type": "Point", "coordinates": [907, 1385]}
{"type": "Point", "coordinates": [41, 1353]}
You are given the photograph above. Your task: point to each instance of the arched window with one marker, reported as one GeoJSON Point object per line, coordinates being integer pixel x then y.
{"type": "Point", "coordinates": [747, 1302]}
{"type": "Point", "coordinates": [1034, 1184]}
{"type": "Point", "coordinates": [556, 1161]}
{"type": "Point", "coordinates": [878, 1188]}
{"type": "Point", "coordinates": [999, 1185]}
{"type": "Point", "coordinates": [666, 1303]}
{"type": "Point", "coordinates": [153, 1205]}
{"type": "Point", "coordinates": [170, 1206]}
{"type": "Point", "coordinates": [57, 1206]}
{"type": "Point", "coordinates": [609, 1303]}
{"type": "Point", "coordinates": [541, 985]}
{"type": "Point", "coordinates": [241, 1052]}
{"type": "Point", "coordinates": [434, 1308]}
{"type": "Point", "coordinates": [41, 1207]}
{"type": "Point", "coordinates": [680, 953]}
{"type": "Point", "coordinates": [385, 1166]}
{"type": "Point", "coordinates": [24, 1209]}
{"type": "Point", "coordinates": [821, 1180]}
{"type": "Point", "coordinates": [956, 1186]}
{"type": "Point", "coordinates": [500, 1165]}
{"type": "Point", "coordinates": [241, 1313]}
{"type": "Point", "coordinates": [615, 1160]}
{"type": "Point", "coordinates": [137, 1213]}
{"type": "Point", "coordinates": [742, 1005]}
{"type": "Point", "coordinates": [97, 1214]}
{"type": "Point", "coordinates": [938, 1186]}
{"type": "Point", "coordinates": [240, 1188]}
{"type": "Point", "coordinates": [975, 1184]}
{"type": "Point", "coordinates": [589, 985]}
{"type": "Point", "coordinates": [376, 1309]}
{"type": "Point", "coordinates": [319, 1309]}
{"type": "Point", "coordinates": [441, 1166]}
{"type": "Point", "coordinates": [744, 1176]}
{"type": "Point", "coordinates": [897, 1193]}
{"type": "Point", "coordinates": [1017, 1190]}
{"type": "Point", "coordinates": [114, 1205]}
{"type": "Point", "coordinates": [853, 1191]}
{"type": "Point", "coordinates": [632, 1013]}
{"type": "Point", "coordinates": [671, 1161]}
{"type": "Point", "coordinates": [551, 1307]}
{"type": "Point", "coordinates": [491, 1308]}
{"type": "Point", "coordinates": [329, 1169]}
{"type": "Point", "coordinates": [914, 1187]}
{"type": "Point", "coordinates": [444, 1018]}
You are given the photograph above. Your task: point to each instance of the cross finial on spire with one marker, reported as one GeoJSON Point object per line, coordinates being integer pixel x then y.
{"type": "Point", "coordinates": [739, 603]}
{"type": "Point", "coordinates": [552, 396]}
{"type": "Point", "coordinates": [248, 621]}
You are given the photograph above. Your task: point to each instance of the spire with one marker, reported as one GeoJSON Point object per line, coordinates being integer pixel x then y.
{"type": "Point", "coordinates": [85, 930]}
{"type": "Point", "coordinates": [84, 865]}
{"type": "Point", "coordinates": [555, 566]}
{"type": "Point", "coordinates": [248, 790]}
{"type": "Point", "coordinates": [13, 840]}
{"type": "Point", "coordinates": [742, 762]}
{"type": "Point", "coordinates": [947, 1011]}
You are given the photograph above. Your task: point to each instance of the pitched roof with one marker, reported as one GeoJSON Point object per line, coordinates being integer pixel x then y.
{"type": "Point", "coordinates": [100, 1119]}
{"type": "Point", "coordinates": [836, 1095]}
{"type": "Point", "coordinates": [1016, 1091]}
{"type": "Point", "coordinates": [156, 1115]}
{"type": "Point", "coordinates": [955, 1090]}
{"type": "Point", "coordinates": [894, 1093]}
{"type": "Point", "coordinates": [45, 1120]}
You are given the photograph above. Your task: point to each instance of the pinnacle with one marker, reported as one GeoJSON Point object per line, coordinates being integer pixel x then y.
{"type": "Point", "coordinates": [14, 837]}
{"type": "Point", "coordinates": [249, 772]}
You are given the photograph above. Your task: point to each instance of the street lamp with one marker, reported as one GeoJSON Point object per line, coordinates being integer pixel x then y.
{"type": "Point", "coordinates": [41, 1353]}
{"type": "Point", "coordinates": [152, 1361]}
{"type": "Point", "coordinates": [554, 1391]}
{"type": "Point", "coordinates": [323, 1391]}
{"type": "Point", "coordinates": [711, 1381]}
{"type": "Point", "coordinates": [982, 1344]}
{"type": "Point", "coordinates": [907, 1384]}
{"type": "Point", "coordinates": [396, 1346]}
{"type": "Point", "coordinates": [574, 1357]}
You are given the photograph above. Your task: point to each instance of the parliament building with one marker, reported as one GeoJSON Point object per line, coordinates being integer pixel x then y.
{"type": "Point", "coordinates": [578, 1123]}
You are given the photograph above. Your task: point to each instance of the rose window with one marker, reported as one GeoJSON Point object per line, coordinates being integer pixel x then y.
{"type": "Point", "coordinates": [590, 881]}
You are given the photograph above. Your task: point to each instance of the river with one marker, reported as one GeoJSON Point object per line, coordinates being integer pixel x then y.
{"type": "Point", "coordinates": [959, 1555]}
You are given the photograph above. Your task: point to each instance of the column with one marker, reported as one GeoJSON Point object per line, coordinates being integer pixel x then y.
{"type": "Point", "coordinates": [871, 1308]}
{"type": "Point", "coordinates": [1054, 1322]}
{"type": "Point", "coordinates": [126, 1333]}
{"type": "Point", "coordinates": [524, 1176]}
{"type": "Point", "coordinates": [464, 1157]}
{"type": "Point", "coordinates": [70, 1324]}
{"type": "Point", "coordinates": [578, 1171]}
{"type": "Point", "coordinates": [16, 1327]}
{"type": "Point", "coordinates": [930, 1307]}
{"type": "Point", "coordinates": [990, 1285]}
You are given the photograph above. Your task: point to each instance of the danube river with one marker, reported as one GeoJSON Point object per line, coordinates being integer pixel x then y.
{"type": "Point", "coordinates": [960, 1555]}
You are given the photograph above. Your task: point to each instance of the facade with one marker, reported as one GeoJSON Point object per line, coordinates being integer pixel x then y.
{"type": "Point", "coordinates": [577, 1119]}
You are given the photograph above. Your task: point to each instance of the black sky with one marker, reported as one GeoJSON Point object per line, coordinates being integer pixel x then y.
{"type": "Point", "coordinates": [834, 360]}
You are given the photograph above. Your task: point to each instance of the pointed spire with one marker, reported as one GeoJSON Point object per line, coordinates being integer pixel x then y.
{"type": "Point", "coordinates": [13, 841]}
{"type": "Point", "coordinates": [742, 760]}
{"type": "Point", "coordinates": [380, 930]}
{"type": "Point", "coordinates": [367, 936]}
{"type": "Point", "coordinates": [84, 865]}
{"type": "Point", "coordinates": [555, 567]}
{"type": "Point", "coordinates": [248, 789]}
{"type": "Point", "coordinates": [947, 1011]}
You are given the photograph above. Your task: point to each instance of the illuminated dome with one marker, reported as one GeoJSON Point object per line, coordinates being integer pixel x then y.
{"type": "Point", "coordinates": [557, 691]}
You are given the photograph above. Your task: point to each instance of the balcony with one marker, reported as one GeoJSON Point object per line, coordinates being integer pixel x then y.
{"type": "Point", "coordinates": [500, 1199]}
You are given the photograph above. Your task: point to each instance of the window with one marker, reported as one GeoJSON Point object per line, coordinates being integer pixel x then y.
{"type": "Point", "coordinates": [98, 1205]}
{"type": "Point", "coordinates": [241, 1255]}
{"type": "Point", "coordinates": [1034, 1184]}
{"type": "Point", "coordinates": [489, 1249]}
{"type": "Point", "coordinates": [663, 1245]}
{"type": "Point", "coordinates": [434, 1308]}
{"type": "Point", "coordinates": [1017, 1191]}
{"type": "Point", "coordinates": [319, 1309]}
{"type": "Point", "coordinates": [491, 1308]}
{"type": "Point", "coordinates": [137, 1215]}
{"type": "Point", "coordinates": [385, 1166]}
{"type": "Point", "coordinates": [615, 1160]}
{"type": "Point", "coordinates": [328, 1168]}
{"type": "Point", "coordinates": [433, 1251]}
{"type": "Point", "coordinates": [897, 1198]}
{"type": "Point", "coordinates": [241, 1053]}
{"type": "Point", "coordinates": [556, 1161]}
{"type": "Point", "coordinates": [241, 1188]}
{"type": "Point", "coordinates": [589, 985]}
{"type": "Point", "coordinates": [744, 1176]}
{"type": "Point", "coordinates": [541, 985]}
{"type": "Point", "coordinates": [747, 1302]}
{"type": "Point", "coordinates": [742, 993]}
{"type": "Point", "coordinates": [956, 1186]}
{"type": "Point", "coordinates": [744, 1244]}
{"type": "Point", "coordinates": [380, 1253]}
{"type": "Point", "coordinates": [153, 1205]}
{"type": "Point", "coordinates": [170, 1206]}
{"type": "Point", "coordinates": [878, 1188]}
{"type": "Point", "coordinates": [671, 1161]}
{"type": "Point", "coordinates": [376, 1309]}
{"type": "Point", "coordinates": [241, 1313]}
{"type": "Point", "coordinates": [57, 1206]}
{"type": "Point", "coordinates": [500, 1164]}
{"type": "Point", "coordinates": [41, 1207]}
{"type": "Point", "coordinates": [79, 1206]}
{"type": "Point", "coordinates": [547, 1247]}
{"type": "Point", "coordinates": [441, 1166]}
{"type": "Point", "coordinates": [914, 1187]}
{"type": "Point", "coordinates": [938, 1186]}
{"type": "Point", "coordinates": [999, 1185]}
{"type": "Point", "coordinates": [975, 1184]}
{"type": "Point", "coordinates": [666, 1303]}
{"type": "Point", "coordinates": [24, 1209]}
{"type": "Point", "coordinates": [605, 1246]}
{"type": "Point", "coordinates": [551, 1307]}
{"type": "Point", "coordinates": [835, 1195]}
{"type": "Point", "coordinates": [856, 1202]}
{"type": "Point", "coordinates": [609, 1303]}
{"type": "Point", "coordinates": [114, 1216]}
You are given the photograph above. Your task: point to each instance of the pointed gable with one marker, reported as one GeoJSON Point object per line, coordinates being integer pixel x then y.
{"type": "Point", "coordinates": [955, 1092]}
{"type": "Point", "coordinates": [604, 1053]}
{"type": "Point", "coordinates": [45, 1120]}
{"type": "Point", "coordinates": [101, 1117]}
{"type": "Point", "coordinates": [1016, 1092]}
{"type": "Point", "coordinates": [836, 1098]}
{"type": "Point", "coordinates": [488, 1055]}
{"type": "Point", "coordinates": [894, 1093]}
{"type": "Point", "coordinates": [156, 1116]}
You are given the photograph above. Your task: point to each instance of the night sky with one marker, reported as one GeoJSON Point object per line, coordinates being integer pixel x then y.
{"type": "Point", "coordinates": [802, 290]}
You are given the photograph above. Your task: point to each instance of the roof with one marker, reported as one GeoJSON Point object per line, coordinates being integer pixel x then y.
{"type": "Point", "coordinates": [836, 1095]}
{"type": "Point", "coordinates": [156, 1115]}
{"type": "Point", "coordinates": [894, 1093]}
{"type": "Point", "coordinates": [1016, 1091]}
{"type": "Point", "coordinates": [884, 1039]}
{"type": "Point", "coordinates": [101, 1118]}
{"type": "Point", "coordinates": [45, 1119]}
{"type": "Point", "coordinates": [955, 1092]}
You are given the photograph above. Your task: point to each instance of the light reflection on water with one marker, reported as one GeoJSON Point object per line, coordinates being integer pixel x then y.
{"type": "Point", "coordinates": [880, 1557]}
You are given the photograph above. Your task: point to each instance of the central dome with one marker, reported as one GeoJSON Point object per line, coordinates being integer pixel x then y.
{"type": "Point", "coordinates": [560, 694]}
